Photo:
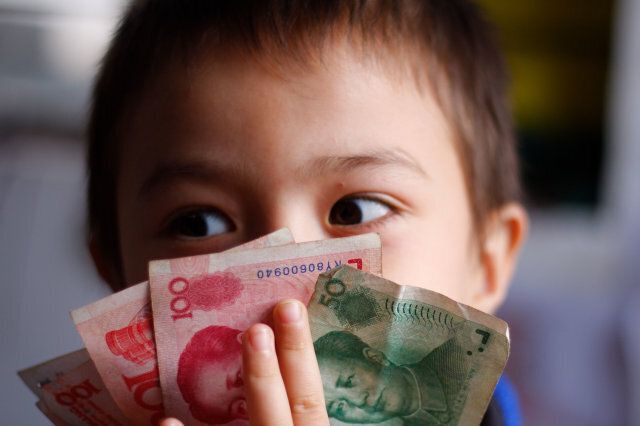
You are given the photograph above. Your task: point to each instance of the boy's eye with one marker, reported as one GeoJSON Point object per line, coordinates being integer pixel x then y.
{"type": "Point", "coordinates": [200, 224]}
{"type": "Point", "coordinates": [356, 210]}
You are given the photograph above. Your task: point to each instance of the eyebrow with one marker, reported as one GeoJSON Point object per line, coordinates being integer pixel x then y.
{"type": "Point", "coordinates": [191, 169]}
{"type": "Point", "coordinates": [211, 170]}
{"type": "Point", "coordinates": [346, 163]}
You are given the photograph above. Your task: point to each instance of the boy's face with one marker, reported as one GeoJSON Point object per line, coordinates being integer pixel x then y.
{"type": "Point", "coordinates": [227, 151]}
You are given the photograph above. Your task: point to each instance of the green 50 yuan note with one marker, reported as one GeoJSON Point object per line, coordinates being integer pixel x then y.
{"type": "Point", "coordinates": [398, 355]}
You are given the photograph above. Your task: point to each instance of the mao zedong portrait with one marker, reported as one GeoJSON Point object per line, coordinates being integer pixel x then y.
{"type": "Point", "coordinates": [361, 385]}
{"type": "Point", "coordinates": [210, 375]}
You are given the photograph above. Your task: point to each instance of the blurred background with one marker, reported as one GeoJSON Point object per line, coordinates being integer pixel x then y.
{"type": "Point", "coordinates": [574, 307]}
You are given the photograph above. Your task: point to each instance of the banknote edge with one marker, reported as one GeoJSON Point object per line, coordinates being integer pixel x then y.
{"type": "Point", "coordinates": [413, 292]}
{"type": "Point", "coordinates": [30, 378]}
{"type": "Point", "coordinates": [274, 253]}
{"type": "Point", "coordinates": [108, 303]}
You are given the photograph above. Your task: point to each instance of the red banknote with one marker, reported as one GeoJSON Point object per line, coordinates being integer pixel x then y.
{"type": "Point", "coordinates": [71, 391]}
{"type": "Point", "coordinates": [118, 333]}
{"type": "Point", "coordinates": [201, 305]}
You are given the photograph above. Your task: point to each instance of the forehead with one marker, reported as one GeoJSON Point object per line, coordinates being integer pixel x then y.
{"type": "Point", "coordinates": [236, 107]}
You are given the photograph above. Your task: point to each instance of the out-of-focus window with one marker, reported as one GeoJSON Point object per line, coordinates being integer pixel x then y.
{"type": "Point", "coordinates": [48, 55]}
{"type": "Point", "coordinates": [558, 52]}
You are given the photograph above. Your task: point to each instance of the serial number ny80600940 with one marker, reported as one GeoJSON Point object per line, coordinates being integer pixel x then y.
{"type": "Point", "coordinates": [305, 268]}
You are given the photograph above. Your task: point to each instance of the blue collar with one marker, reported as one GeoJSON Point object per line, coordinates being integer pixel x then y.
{"type": "Point", "coordinates": [506, 400]}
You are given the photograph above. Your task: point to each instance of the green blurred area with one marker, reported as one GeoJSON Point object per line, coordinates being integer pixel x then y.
{"type": "Point", "coordinates": [558, 53]}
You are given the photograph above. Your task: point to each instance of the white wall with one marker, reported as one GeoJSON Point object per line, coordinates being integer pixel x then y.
{"type": "Point", "coordinates": [49, 51]}
{"type": "Point", "coordinates": [624, 188]}
{"type": "Point", "coordinates": [45, 268]}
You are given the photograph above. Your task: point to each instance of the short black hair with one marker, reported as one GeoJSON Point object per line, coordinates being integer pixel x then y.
{"type": "Point", "coordinates": [339, 345]}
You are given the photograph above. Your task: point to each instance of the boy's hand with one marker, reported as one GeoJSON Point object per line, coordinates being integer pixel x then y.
{"type": "Point", "coordinates": [285, 389]}
{"type": "Point", "coordinates": [282, 381]}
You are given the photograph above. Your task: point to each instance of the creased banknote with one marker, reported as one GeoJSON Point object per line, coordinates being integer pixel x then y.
{"type": "Point", "coordinates": [202, 304]}
{"type": "Point", "coordinates": [118, 333]}
{"type": "Point", "coordinates": [402, 355]}
{"type": "Point", "coordinates": [55, 420]}
{"type": "Point", "coordinates": [71, 392]}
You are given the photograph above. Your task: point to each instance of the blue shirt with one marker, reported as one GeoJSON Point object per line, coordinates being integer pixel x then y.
{"type": "Point", "coordinates": [504, 409]}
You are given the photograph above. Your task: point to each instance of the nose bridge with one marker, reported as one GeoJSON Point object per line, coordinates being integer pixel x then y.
{"type": "Point", "coordinates": [290, 208]}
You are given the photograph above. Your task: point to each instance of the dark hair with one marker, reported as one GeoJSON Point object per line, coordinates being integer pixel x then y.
{"type": "Point", "coordinates": [211, 345]}
{"type": "Point", "coordinates": [447, 43]}
{"type": "Point", "coordinates": [339, 345]}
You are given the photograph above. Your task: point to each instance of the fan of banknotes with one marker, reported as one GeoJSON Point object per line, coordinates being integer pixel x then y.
{"type": "Point", "coordinates": [171, 346]}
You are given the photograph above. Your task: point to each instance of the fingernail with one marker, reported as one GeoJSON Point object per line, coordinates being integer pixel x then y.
{"type": "Point", "coordinates": [260, 338]}
{"type": "Point", "coordinates": [171, 422]}
{"type": "Point", "coordinates": [290, 311]}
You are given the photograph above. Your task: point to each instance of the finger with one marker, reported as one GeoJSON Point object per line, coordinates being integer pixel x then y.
{"type": "Point", "coordinates": [267, 402]}
{"type": "Point", "coordinates": [298, 364]}
{"type": "Point", "coordinates": [170, 422]}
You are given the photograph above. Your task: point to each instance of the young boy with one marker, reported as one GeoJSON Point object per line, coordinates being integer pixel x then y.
{"type": "Point", "coordinates": [215, 122]}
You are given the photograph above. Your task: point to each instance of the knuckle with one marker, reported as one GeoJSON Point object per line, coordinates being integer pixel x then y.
{"type": "Point", "coordinates": [264, 374]}
{"type": "Point", "coordinates": [263, 371]}
{"type": "Point", "coordinates": [307, 404]}
{"type": "Point", "coordinates": [292, 343]}
{"type": "Point", "coordinates": [291, 340]}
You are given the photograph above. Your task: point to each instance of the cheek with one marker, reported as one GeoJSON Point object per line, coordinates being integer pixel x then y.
{"type": "Point", "coordinates": [433, 252]}
{"type": "Point", "coordinates": [133, 253]}
{"type": "Point", "coordinates": [134, 258]}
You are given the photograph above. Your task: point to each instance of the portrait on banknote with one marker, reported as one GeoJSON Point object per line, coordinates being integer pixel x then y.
{"type": "Point", "coordinates": [210, 375]}
{"type": "Point", "coordinates": [397, 355]}
{"type": "Point", "coordinates": [363, 385]}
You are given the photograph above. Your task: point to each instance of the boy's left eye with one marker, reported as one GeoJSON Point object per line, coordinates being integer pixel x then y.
{"type": "Point", "coordinates": [354, 210]}
{"type": "Point", "coordinates": [200, 224]}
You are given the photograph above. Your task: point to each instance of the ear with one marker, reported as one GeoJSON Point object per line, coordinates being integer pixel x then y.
{"type": "Point", "coordinates": [376, 356]}
{"type": "Point", "coordinates": [99, 260]}
{"type": "Point", "coordinates": [506, 231]}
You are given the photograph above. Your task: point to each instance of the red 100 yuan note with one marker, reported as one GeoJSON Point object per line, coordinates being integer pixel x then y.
{"type": "Point", "coordinates": [71, 391]}
{"type": "Point", "coordinates": [202, 304]}
{"type": "Point", "coordinates": [56, 421]}
{"type": "Point", "coordinates": [118, 333]}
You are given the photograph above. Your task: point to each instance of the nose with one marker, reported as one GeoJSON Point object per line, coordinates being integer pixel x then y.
{"type": "Point", "coordinates": [298, 213]}
{"type": "Point", "coordinates": [355, 399]}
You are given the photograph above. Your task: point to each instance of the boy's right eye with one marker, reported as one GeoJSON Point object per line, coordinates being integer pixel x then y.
{"type": "Point", "coordinates": [200, 224]}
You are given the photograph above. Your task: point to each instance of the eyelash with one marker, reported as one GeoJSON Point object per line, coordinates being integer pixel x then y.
{"type": "Point", "coordinates": [394, 212]}
{"type": "Point", "coordinates": [172, 225]}
{"type": "Point", "coordinates": [169, 226]}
